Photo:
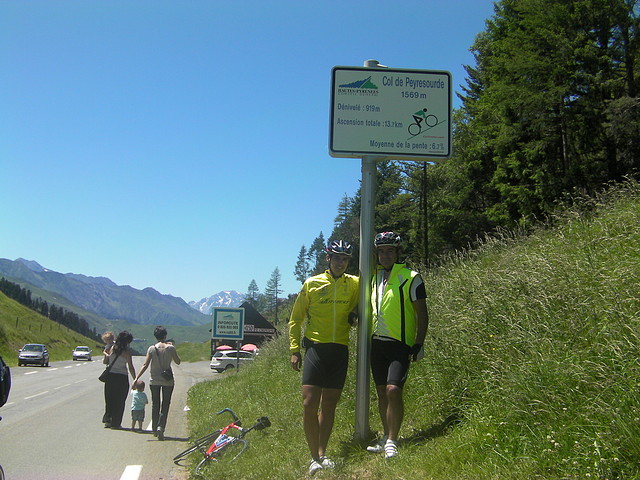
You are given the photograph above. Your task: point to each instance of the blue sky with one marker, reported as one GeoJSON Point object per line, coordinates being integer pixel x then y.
{"type": "Point", "coordinates": [183, 144]}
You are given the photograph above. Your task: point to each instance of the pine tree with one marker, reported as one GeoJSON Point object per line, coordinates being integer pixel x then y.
{"type": "Point", "coordinates": [318, 255]}
{"type": "Point", "coordinates": [272, 290]}
{"type": "Point", "coordinates": [253, 294]}
{"type": "Point", "coordinates": [301, 270]}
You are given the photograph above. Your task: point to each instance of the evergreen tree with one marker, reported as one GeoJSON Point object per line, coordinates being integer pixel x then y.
{"type": "Point", "coordinates": [346, 226]}
{"type": "Point", "coordinates": [318, 255]}
{"type": "Point", "coordinates": [253, 293]}
{"type": "Point", "coordinates": [301, 270]}
{"type": "Point", "coordinates": [549, 75]}
{"type": "Point", "coordinates": [272, 290]}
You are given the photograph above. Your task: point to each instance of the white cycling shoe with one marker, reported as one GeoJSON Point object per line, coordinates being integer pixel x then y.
{"type": "Point", "coordinates": [377, 446]}
{"type": "Point", "coordinates": [390, 449]}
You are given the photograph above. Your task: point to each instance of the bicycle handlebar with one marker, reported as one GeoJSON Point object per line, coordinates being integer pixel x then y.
{"type": "Point", "coordinates": [235, 417]}
{"type": "Point", "coordinates": [261, 423]}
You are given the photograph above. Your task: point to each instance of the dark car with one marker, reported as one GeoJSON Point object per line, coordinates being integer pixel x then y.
{"type": "Point", "coordinates": [34, 354]}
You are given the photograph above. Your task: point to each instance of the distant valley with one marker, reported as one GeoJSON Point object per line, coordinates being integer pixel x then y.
{"type": "Point", "coordinates": [100, 301]}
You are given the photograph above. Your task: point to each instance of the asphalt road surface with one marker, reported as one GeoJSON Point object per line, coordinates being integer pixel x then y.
{"type": "Point", "coordinates": [52, 430]}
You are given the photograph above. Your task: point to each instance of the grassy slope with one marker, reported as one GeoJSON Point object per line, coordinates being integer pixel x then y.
{"type": "Point", "coordinates": [531, 368]}
{"type": "Point", "coordinates": [19, 325]}
{"type": "Point", "coordinates": [180, 332]}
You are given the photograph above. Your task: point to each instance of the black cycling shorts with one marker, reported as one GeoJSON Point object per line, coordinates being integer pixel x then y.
{"type": "Point", "coordinates": [390, 360]}
{"type": "Point", "coordinates": [325, 365]}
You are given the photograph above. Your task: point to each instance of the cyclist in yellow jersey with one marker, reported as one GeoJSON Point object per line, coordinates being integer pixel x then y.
{"type": "Point", "coordinates": [327, 302]}
{"type": "Point", "coordinates": [400, 321]}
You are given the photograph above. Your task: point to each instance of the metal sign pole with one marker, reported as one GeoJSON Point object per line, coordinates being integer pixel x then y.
{"type": "Point", "coordinates": [364, 306]}
{"type": "Point", "coordinates": [367, 217]}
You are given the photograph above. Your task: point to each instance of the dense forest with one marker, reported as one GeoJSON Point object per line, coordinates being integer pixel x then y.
{"type": "Point", "coordinates": [549, 111]}
{"type": "Point", "coordinates": [70, 320]}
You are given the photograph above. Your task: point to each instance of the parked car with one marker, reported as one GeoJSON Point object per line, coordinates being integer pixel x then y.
{"type": "Point", "coordinates": [33, 353]}
{"type": "Point", "coordinates": [82, 353]}
{"type": "Point", "coordinates": [227, 359]}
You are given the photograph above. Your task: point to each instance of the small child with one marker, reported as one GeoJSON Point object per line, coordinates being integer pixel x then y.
{"type": "Point", "coordinates": [138, 401]}
{"type": "Point", "coordinates": [109, 339]}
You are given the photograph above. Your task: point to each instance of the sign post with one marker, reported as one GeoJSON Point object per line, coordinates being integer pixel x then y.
{"type": "Point", "coordinates": [228, 324]}
{"type": "Point", "coordinates": [379, 113]}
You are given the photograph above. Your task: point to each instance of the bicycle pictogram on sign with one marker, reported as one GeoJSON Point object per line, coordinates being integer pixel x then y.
{"type": "Point", "coordinates": [422, 121]}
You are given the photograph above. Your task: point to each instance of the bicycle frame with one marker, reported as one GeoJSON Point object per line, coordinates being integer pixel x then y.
{"type": "Point", "coordinates": [216, 444]}
{"type": "Point", "coordinates": [223, 439]}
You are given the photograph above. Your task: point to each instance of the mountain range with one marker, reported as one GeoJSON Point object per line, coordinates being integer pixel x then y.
{"type": "Point", "coordinates": [229, 299]}
{"type": "Point", "coordinates": [103, 297]}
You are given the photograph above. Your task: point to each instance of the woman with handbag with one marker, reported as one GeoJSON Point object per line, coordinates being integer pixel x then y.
{"type": "Point", "coordinates": [116, 386]}
{"type": "Point", "coordinates": [161, 383]}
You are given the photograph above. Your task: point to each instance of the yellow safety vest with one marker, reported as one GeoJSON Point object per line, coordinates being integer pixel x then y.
{"type": "Point", "coordinates": [393, 314]}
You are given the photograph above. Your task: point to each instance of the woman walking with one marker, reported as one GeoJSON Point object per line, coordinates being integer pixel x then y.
{"type": "Point", "coordinates": [161, 383]}
{"type": "Point", "coordinates": [116, 388]}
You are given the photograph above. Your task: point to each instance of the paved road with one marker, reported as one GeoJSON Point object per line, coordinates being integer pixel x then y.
{"type": "Point", "coordinates": [52, 430]}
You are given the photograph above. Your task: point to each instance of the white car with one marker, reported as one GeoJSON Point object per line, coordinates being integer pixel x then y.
{"type": "Point", "coordinates": [82, 353]}
{"type": "Point", "coordinates": [227, 359]}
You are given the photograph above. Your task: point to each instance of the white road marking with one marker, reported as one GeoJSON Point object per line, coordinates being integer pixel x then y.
{"type": "Point", "coordinates": [131, 472]}
{"type": "Point", "coordinates": [31, 373]}
{"type": "Point", "coordinates": [62, 386]}
{"type": "Point", "coordinates": [36, 395]}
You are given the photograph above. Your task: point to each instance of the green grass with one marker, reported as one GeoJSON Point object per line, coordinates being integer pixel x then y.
{"type": "Point", "coordinates": [531, 371]}
{"type": "Point", "coordinates": [195, 352]}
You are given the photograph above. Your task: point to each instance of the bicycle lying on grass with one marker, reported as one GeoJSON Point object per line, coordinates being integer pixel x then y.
{"type": "Point", "coordinates": [225, 444]}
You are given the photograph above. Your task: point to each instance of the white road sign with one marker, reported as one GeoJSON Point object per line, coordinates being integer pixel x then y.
{"type": "Point", "coordinates": [394, 113]}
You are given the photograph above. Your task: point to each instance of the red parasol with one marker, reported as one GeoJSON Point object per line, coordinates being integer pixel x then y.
{"type": "Point", "coordinates": [249, 347]}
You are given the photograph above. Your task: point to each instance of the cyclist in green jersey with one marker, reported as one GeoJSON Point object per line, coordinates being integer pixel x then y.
{"type": "Point", "coordinates": [328, 302]}
{"type": "Point", "coordinates": [400, 321]}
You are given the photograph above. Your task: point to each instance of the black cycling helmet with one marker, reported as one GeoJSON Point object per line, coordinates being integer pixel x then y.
{"type": "Point", "coordinates": [387, 238]}
{"type": "Point", "coordinates": [339, 246]}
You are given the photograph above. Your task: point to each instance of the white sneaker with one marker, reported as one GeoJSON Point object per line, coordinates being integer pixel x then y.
{"type": "Point", "coordinates": [390, 449]}
{"type": "Point", "coordinates": [327, 462]}
{"type": "Point", "coordinates": [314, 467]}
{"type": "Point", "coordinates": [377, 446]}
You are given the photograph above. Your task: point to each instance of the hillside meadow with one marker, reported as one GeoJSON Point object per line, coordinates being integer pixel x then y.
{"type": "Point", "coordinates": [531, 368]}
{"type": "Point", "coordinates": [19, 325]}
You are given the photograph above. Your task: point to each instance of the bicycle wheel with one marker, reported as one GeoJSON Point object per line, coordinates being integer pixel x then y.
{"type": "Point", "coordinates": [201, 443]}
{"type": "Point", "coordinates": [226, 454]}
{"type": "Point", "coordinates": [414, 129]}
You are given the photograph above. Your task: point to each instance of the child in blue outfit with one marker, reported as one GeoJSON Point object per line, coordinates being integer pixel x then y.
{"type": "Point", "coordinates": [138, 401]}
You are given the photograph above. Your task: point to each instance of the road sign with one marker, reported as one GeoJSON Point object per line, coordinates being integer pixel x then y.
{"type": "Point", "coordinates": [228, 324]}
{"type": "Point", "coordinates": [394, 113]}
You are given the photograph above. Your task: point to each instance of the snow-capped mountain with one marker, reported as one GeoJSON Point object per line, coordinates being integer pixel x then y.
{"type": "Point", "coordinates": [230, 299]}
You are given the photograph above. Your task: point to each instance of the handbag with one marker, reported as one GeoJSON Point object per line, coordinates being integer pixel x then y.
{"type": "Point", "coordinates": [104, 375]}
{"type": "Point", "coordinates": [166, 373]}
{"type": "Point", "coordinates": [107, 371]}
